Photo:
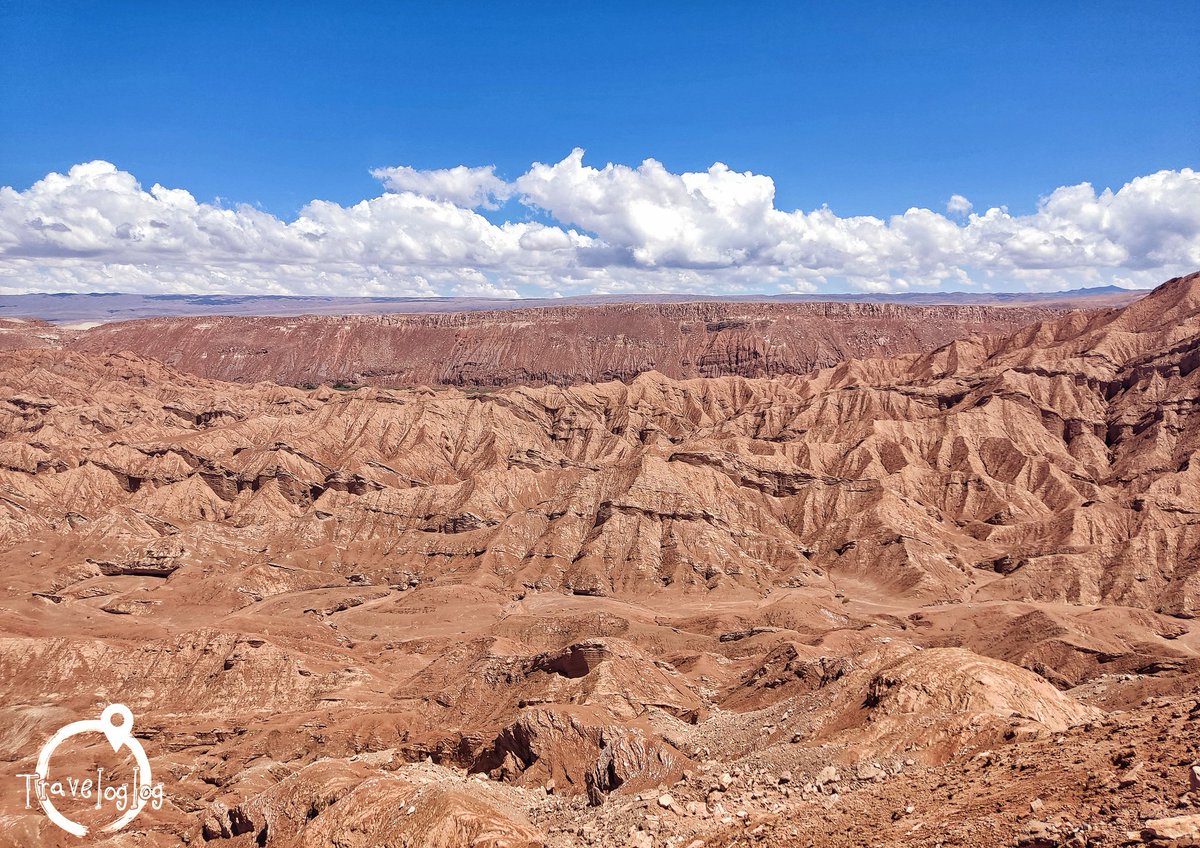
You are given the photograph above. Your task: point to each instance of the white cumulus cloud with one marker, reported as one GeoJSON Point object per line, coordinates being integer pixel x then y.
{"type": "Point", "coordinates": [714, 218]}
{"type": "Point", "coordinates": [463, 186]}
{"type": "Point", "coordinates": [959, 205]}
{"type": "Point", "coordinates": [583, 229]}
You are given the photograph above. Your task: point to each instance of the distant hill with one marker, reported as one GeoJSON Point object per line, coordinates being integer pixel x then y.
{"type": "Point", "coordinates": [557, 344]}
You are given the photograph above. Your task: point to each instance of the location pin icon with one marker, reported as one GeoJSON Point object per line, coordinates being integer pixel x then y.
{"type": "Point", "coordinates": [118, 725]}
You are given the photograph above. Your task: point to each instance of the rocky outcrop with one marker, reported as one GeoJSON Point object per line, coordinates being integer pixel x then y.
{"type": "Point", "coordinates": [941, 696]}
{"type": "Point", "coordinates": [338, 803]}
{"type": "Point", "coordinates": [580, 750]}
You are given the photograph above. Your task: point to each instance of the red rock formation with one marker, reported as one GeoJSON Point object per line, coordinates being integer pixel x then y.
{"type": "Point", "coordinates": [426, 617]}
{"type": "Point", "coordinates": [555, 345]}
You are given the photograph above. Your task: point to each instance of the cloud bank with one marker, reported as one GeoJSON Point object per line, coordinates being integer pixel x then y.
{"type": "Point", "coordinates": [581, 229]}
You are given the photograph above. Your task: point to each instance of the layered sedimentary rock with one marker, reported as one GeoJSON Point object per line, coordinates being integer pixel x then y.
{"type": "Point", "coordinates": [618, 612]}
{"type": "Point", "coordinates": [552, 345]}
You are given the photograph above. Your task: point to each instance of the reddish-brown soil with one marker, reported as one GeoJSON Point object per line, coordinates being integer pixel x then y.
{"type": "Point", "coordinates": [554, 345]}
{"type": "Point", "coordinates": [942, 598]}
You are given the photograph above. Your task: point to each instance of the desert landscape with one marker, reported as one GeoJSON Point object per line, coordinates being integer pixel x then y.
{"type": "Point", "coordinates": [599, 425]}
{"type": "Point", "coordinates": [525, 345]}
{"type": "Point", "coordinates": [664, 575]}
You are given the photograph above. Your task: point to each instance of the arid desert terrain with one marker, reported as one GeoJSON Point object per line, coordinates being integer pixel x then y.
{"type": "Point", "coordinates": [704, 575]}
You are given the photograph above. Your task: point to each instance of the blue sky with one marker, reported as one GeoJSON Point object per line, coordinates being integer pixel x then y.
{"type": "Point", "coordinates": [870, 108]}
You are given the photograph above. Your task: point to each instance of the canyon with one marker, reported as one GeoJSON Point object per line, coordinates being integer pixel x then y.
{"type": "Point", "coordinates": [684, 574]}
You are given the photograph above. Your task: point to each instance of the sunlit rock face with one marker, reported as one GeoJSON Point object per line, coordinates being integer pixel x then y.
{"type": "Point", "coordinates": [550, 615]}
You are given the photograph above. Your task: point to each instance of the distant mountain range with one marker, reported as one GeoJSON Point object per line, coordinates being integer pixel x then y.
{"type": "Point", "coordinates": [120, 306]}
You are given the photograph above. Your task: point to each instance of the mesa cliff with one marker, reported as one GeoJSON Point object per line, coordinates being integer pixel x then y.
{"type": "Point", "coordinates": [551, 345]}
